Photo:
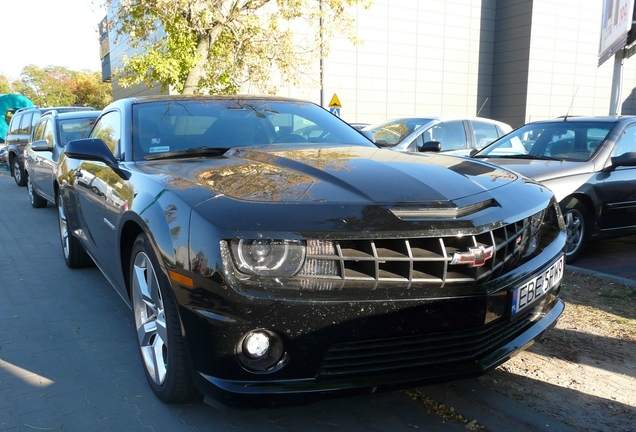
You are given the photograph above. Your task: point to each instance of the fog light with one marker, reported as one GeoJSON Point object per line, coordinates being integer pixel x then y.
{"type": "Point", "coordinates": [261, 351]}
{"type": "Point", "coordinates": [256, 345]}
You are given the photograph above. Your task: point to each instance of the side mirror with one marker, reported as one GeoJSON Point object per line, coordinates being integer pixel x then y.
{"type": "Point", "coordinates": [626, 159]}
{"type": "Point", "coordinates": [41, 145]}
{"type": "Point", "coordinates": [430, 146]}
{"type": "Point", "coordinates": [93, 149]}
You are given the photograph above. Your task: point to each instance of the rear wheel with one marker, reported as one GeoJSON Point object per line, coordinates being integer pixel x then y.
{"type": "Point", "coordinates": [17, 171]}
{"type": "Point", "coordinates": [74, 253]}
{"type": "Point", "coordinates": [161, 344]}
{"type": "Point", "coordinates": [36, 200]}
{"type": "Point", "coordinates": [577, 220]}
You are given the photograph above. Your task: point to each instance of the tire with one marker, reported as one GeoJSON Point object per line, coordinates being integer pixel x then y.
{"type": "Point", "coordinates": [17, 171]}
{"type": "Point", "coordinates": [36, 200]}
{"type": "Point", "coordinates": [159, 339]}
{"type": "Point", "coordinates": [74, 253]}
{"type": "Point", "coordinates": [577, 224]}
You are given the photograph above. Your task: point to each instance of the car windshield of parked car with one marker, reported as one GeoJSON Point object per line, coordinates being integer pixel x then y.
{"type": "Point", "coordinates": [393, 132]}
{"type": "Point", "coordinates": [570, 141]}
{"type": "Point", "coordinates": [74, 129]}
{"type": "Point", "coordinates": [163, 129]}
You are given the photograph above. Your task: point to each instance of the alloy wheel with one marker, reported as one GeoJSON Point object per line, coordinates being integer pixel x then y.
{"type": "Point", "coordinates": [30, 190]}
{"type": "Point", "coordinates": [150, 320]}
{"type": "Point", "coordinates": [17, 172]}
{"type": "Point", "coordinates": [575, 226]}
{"type": "Point", "coordinates": [63, 227]}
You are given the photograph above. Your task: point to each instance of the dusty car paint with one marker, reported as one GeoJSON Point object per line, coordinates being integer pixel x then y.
{"type": "Point", "coordinates": [378, 217]}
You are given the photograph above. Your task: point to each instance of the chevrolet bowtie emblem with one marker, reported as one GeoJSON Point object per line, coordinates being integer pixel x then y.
{"type": "Point", "coordinates": [475, 257]}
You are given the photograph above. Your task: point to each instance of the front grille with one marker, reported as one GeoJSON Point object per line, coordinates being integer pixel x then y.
{"type": "Point", "coordinates": [403, 354]}
{"type": "Point", "coordinates": [428, 260]}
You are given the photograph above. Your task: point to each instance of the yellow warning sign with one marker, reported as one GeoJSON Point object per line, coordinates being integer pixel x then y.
{"type": "Point", "coordinates": [335, 102]}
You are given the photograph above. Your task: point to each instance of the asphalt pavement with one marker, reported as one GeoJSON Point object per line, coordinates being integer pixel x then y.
{"type": "Point", "coordinates": [612, 259]}
{"type": "Point", "coordinates": [69, 362]}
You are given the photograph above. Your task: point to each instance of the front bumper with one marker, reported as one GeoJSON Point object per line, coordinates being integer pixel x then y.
{"type": "Point", "coordinates": [225, 389]}
{"type": "Point", "coordinates": [418, 343]}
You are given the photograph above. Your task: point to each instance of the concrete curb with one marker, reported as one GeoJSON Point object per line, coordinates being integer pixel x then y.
{"type": "Point", "coordinates": [619, 279]}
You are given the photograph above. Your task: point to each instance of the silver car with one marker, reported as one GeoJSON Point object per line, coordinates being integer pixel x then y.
{"type": "Point", "coordinates": [445, 133]}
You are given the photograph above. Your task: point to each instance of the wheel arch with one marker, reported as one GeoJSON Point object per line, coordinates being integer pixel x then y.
{"type": "Point", "coordinates": [11, 155]}
{"type": "Point", "coordinates": [128, 235]}
{"type": "Point", "coordinates": [571, 200]}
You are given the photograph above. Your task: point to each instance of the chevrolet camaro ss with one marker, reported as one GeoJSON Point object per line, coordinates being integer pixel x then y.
{"type": "Point", "coordinates": [261, 262]}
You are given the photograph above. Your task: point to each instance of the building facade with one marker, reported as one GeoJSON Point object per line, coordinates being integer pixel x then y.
{"type": "Point", "coordinates": [511, 60]}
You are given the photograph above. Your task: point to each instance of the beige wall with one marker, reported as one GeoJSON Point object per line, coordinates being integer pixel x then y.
{"type": "Point", "coordinates": [522, 60]}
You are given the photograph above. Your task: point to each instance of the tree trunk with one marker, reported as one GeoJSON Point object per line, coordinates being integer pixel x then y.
{"type": "Point", "coordinates": [195, 74]}
{"type": "Point", "coordinates": [204, 45]}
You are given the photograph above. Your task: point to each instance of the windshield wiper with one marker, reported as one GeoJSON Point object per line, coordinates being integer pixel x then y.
{"type": "Point", "coordinates": [517, 156]}
{"type": "Point", "coordinates": [197, 151]}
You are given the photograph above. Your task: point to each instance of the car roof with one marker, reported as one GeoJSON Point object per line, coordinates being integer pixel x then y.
{"type": "Point", "coordinates": [444, 118]}
{"type": "Point", "coordinates": [581, 119]}
{"type": "Point", "coordinates": [59, 108]}
{"type": "Point", "coordinates": [155, 98]}
{"type": "Point", "coordinates": [77, 114]}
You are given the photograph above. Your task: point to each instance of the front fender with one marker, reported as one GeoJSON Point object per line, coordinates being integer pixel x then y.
{"type": "Point", "coordinates": [166, 220]}
{"type": "Point", "coordinates": [564, 187]}
{"type": "Point", "coordinates": [14, 151]}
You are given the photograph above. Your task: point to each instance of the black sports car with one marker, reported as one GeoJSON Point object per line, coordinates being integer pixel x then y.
{"type": "Point", "coordinates": [259, 262]}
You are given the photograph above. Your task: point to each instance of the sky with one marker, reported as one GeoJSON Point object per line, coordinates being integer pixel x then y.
{"type": "Point", "coordinates": [49, 33]}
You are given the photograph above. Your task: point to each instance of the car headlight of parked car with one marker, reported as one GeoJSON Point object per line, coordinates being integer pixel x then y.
{"type": "Point", "coordinates": [267, 257]}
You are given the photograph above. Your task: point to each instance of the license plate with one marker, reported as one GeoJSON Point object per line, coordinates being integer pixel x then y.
{"type": "Point", "coordinates": [535, 288]}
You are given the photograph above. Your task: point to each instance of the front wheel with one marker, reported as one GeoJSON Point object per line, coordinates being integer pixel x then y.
{"type": "Point", "coordinates": [36, 200]}
{"type": "Point", "coordinates": [17, 171]}
{"type": "Point", "coordinates": [161, 345]}
{"type": "Point", "coordinates": [576, 220]}
{"type": "Point", "coordinates": [74, 253]}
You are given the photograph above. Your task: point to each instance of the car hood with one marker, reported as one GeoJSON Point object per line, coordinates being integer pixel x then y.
{"type": "Point", "coordinates": [356, 174]}
{"type": "Point", "coordinates": [542, 170]}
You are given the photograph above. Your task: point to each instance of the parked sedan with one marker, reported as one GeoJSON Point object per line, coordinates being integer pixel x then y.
{"type": "Point", "coordinates": [457, 134]}
{"type": "Point", "coordinates": [590, 165]}
{"type": "Point", "coordinates": [50, 135]}
{"type": "Point", "coordinates": [256, 262]}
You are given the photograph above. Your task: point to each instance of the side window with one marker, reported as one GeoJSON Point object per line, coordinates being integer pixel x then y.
{"type": "Point", "coordinates": [42, 131]}
{"type": "Point", "coordinates": [47, 134]}
{"type": "Point", "coordinates": [108, 129]}
{"type": "Point", "coordinates": [38, 132]}
{"type": "Point", "coordinates": [451, 134]}
{"type": "Point", "coordinates": [25, 124]}
{"type": "Point", "coordinates": [626, 143]}
{"type": "Point", "coordinates": [15, 124]}
{"type": "Point", "coordinates": [485, 133]}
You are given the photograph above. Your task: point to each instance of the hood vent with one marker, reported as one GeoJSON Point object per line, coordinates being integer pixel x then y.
{"type": "Point", "coordinates": [427, 213]}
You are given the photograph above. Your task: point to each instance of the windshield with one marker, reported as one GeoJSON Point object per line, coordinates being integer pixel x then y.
{"type": "Point", "coordinates": [173, 126]}
{"type": "Point", "coordinates": [393, 132]}
{"type": "Point", "coordinates": [575, 141]}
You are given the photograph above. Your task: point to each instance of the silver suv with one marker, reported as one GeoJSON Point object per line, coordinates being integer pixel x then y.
{"type": "Point", "coordinates": [19, 135]}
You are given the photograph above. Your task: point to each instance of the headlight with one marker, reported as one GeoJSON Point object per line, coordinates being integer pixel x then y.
{"type": "Point", "coordinates": [267, 257]}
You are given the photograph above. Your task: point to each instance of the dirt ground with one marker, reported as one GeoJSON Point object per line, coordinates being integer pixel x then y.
{"type": "Point", "coordinates": [583, 372]}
